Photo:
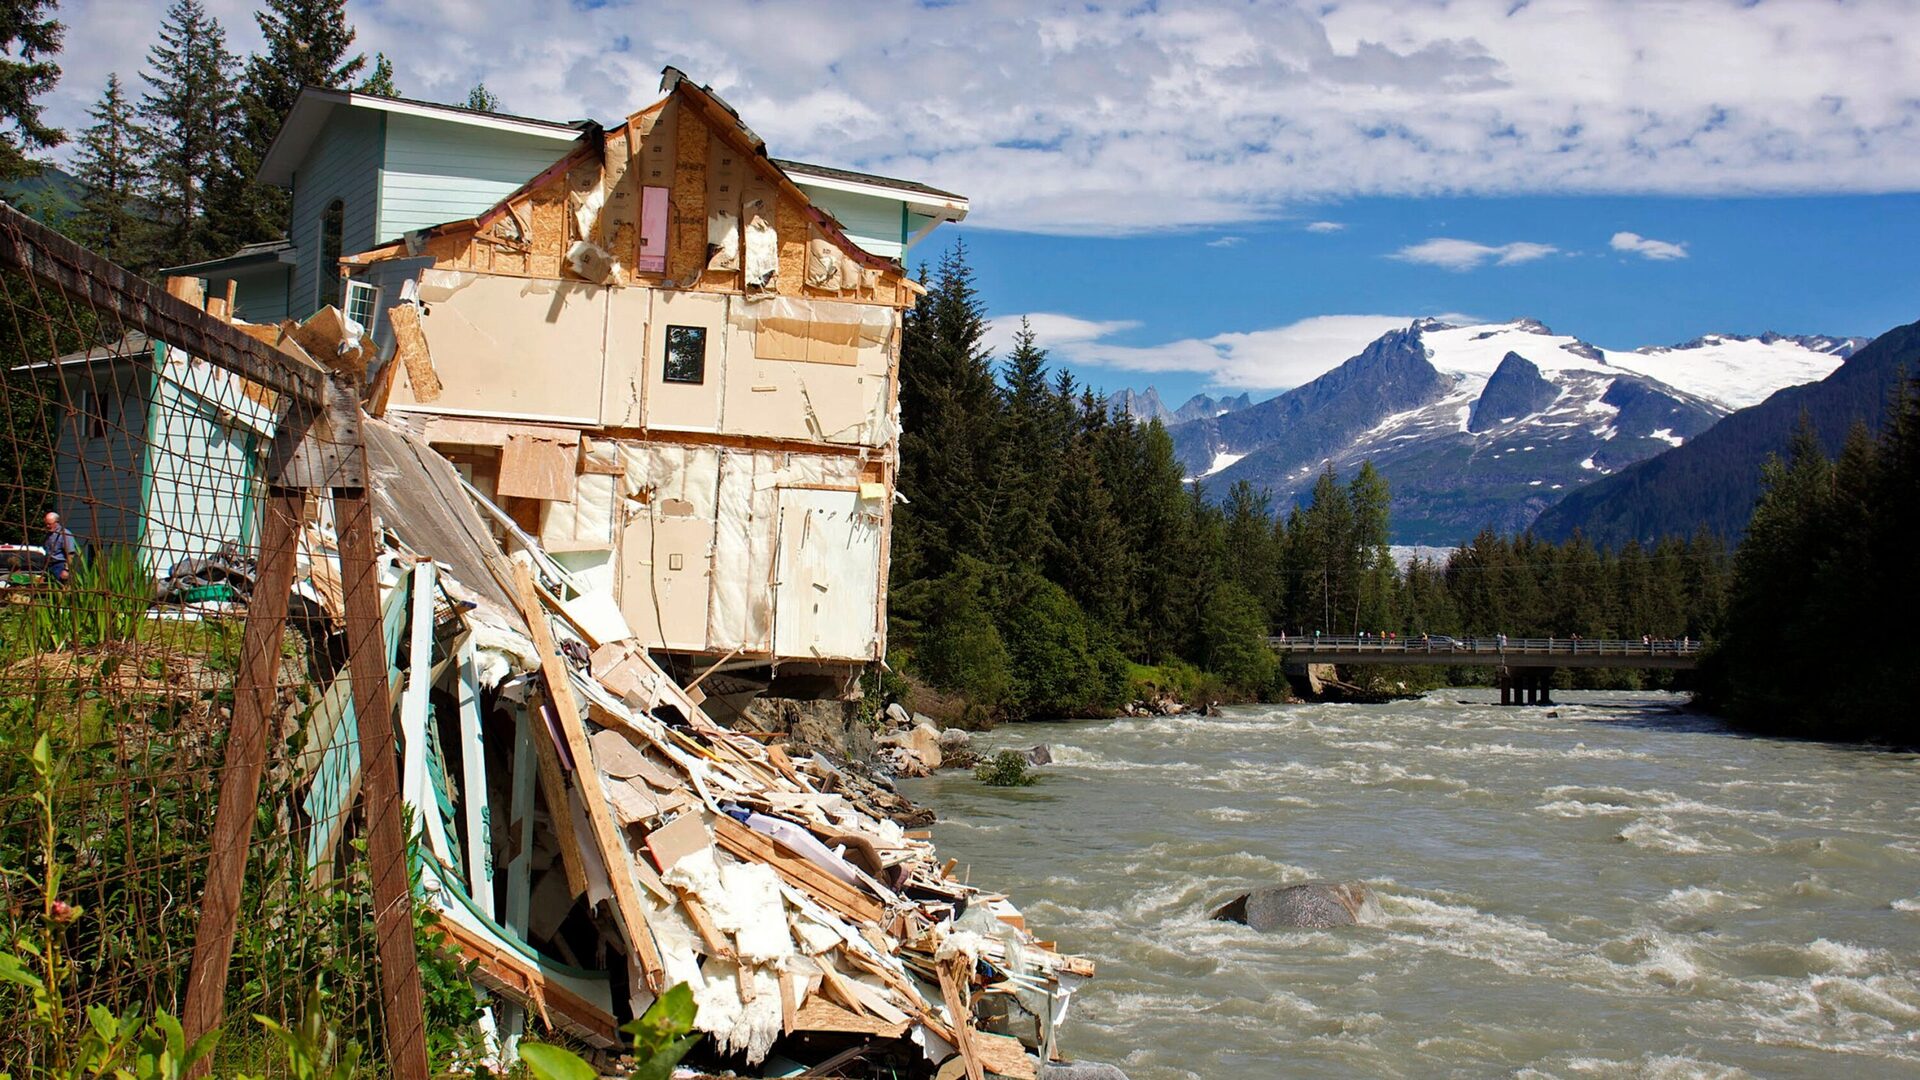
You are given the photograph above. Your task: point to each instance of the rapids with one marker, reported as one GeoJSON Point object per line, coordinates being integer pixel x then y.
{"type": "Point", "coordinates": [1623, 889]}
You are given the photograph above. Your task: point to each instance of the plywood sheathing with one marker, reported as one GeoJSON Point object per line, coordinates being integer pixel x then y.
{"type": "Point", "coordinates": [687, 242]}
{"type": "Point", "coordinates": [791, 222]}
{"type": "Point", "coordinates": [724, 171]}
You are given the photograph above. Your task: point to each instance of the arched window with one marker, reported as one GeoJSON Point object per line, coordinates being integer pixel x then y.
{"type": "Point", "coordinates": [333, 226]}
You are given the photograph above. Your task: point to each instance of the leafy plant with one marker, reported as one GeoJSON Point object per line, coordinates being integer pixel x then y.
{"type": "Point", "coordinates": [1007, 769]}
{"type": "Point", "coordinates": [661, 1037]}
{"type": "Point", "coordinates": [313, 1048]}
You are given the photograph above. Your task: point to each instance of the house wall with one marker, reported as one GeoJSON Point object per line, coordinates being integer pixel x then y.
{"type": "Point", "coordinates": [205, 445]}
{"type": "Point", "coordinates": [343, 163]}
{"type": "Point", "coordinates": [98, 477]}
{"type": "Point", "coordinates": [435, 171]}
{"type": "Point", "coordinates": [260, 295]}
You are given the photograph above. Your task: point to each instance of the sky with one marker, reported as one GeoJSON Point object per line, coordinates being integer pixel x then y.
{"type": "Point", "coordinates": [1224, 195]}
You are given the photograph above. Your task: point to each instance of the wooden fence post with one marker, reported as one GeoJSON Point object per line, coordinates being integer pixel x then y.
{"type": "Point", "coordinates": [401, 999]}
{"type": "Point", "coordinates": [255, 708]}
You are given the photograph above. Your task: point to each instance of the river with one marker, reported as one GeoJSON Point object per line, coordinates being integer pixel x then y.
{"type": "Point", "coordinates": [1609, 888]}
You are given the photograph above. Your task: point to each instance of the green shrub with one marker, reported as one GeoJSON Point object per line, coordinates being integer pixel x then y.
{"type": "Point", "coordinates": [1060, 665]}
{"type": "Point", "coordinates": [1009, 768]}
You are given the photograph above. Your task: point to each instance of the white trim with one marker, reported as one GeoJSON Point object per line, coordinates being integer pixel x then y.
{"type": "Point", "coordinates": [456, 115]}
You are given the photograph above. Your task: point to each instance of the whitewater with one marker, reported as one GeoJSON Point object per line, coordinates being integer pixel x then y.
{"type": "Point", "coordinates": [1611, 888]}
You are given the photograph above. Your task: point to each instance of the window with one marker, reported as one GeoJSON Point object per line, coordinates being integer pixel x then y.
{"type": "Point", "coordinates": [93, 411]}
{"type": "Point", "coordinates": [686, 354]}
{"type": "Point", "coordinates": [363, 306]}
{"type": "Point", "coordinates": [333, 227]}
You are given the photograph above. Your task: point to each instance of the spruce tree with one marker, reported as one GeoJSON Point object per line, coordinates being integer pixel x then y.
{"type": "Point", "coordinates": [29, 39]}
{"type": "Point", "coordinates": [305, 43]}
{"type": "Point", "coordinates": [380, 79]}
{"type": "Point", "coordinates": [190, 117]}
{"type": "Point", "coordinates": [1032, 454]}
{"type": "Point", "coordinates": [111, 219]}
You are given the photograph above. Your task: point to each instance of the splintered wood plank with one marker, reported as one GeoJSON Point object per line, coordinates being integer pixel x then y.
{"type": "Point", "coordinates": [612, 844]}
{"type": "Point", "coordinates": [796, 871]}
{"type": "Point", "coordinates": [953, 992]}
{"type": "Point", "coordinates": [819, 1014]}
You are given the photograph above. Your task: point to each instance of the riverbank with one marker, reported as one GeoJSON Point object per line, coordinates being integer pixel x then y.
{"type": "Point", "coordinates": [1626, 888]}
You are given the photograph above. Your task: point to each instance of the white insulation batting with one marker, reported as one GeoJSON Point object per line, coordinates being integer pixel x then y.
{"type": "Point", "coordinates": [587, 521]}
{"type": "Point", "coordinates": [686, 474]}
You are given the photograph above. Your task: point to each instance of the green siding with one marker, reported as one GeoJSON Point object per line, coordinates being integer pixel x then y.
{"type": "Point", "coordinates": [260, 295]}
{"type": "Point", "coordinates": [344, 164]}
{"type": "Point", "coordinates": [434, 172]}
{"type": "Point", "coordinates": [869, 220]}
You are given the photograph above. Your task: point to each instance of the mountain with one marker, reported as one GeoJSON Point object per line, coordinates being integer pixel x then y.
{"type": "Point", "coordinates": [1491, 424]}
{"type": "Point", "coordinates": [1714, 480]}
{"type": "Point", "coordinates": [1145, 405]}
{"type": "Point", "coordinates": [52, 195]}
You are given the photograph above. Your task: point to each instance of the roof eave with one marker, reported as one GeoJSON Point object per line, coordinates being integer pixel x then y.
{"type": "Point", "coordinates": [311, 109]}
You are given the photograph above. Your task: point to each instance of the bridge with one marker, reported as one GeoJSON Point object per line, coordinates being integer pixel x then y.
{"type": "Point", "coordinates": [1524, 666]}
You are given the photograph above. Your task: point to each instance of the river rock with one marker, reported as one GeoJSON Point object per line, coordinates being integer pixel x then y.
{"type": "Point", "coordinates": [1038, 755]}
{"type": "Point", "coordinates": [1081, 1070]}
{"type": "Point", "coordinates": [896, 716]}
{"type": "Point", "coordinates": [1314, 905]}
{"type": "Point", "coordinates": [954, 739]}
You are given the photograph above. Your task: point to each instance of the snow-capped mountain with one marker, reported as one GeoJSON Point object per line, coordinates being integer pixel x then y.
{"type": "Point", "coordinates": [1490, 424]}
{"type": "Point", "coordinates": [1145, 405]}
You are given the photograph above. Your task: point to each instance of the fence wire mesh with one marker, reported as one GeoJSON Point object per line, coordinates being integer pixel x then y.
{"type": "Point", "coordinates": [134, 499]}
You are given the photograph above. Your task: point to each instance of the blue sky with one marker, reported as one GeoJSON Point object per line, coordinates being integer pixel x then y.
{"type": "Point", "coordinates": [1144, 174]}
{"type": "Point", "coordinates": [1840, 265]}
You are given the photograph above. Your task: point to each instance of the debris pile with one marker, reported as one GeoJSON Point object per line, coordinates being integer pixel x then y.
{"type": "Point", "coordinates": [590, 837]}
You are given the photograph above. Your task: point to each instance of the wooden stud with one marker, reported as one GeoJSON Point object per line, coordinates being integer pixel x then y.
{"type": "Point", "coordinates": [473, 767]}
{"type": "Point", "coordinates": [553, 788]}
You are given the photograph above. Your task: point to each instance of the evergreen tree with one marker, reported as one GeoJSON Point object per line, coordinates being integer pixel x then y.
{"type": "Point", "coordinates": [1033, 449]}
{"type": "Point", "coordinates": [29, 39]}
{"type": "Point", "coordinates": [380, 79]}
{"type": "Point", "coordinates": [481, 99]}
{"type": "Point", "coordinates": [305, 43]}
{"type": "Point", "coordinates": [190, 118]}
{"type": "Point", "coordinates": [111, 219]}
{"type": "Point", "coordinates": [1369, 561]}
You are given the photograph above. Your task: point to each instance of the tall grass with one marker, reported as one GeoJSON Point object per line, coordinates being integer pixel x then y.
{"type": "Point", "coordinates": [104, 599]}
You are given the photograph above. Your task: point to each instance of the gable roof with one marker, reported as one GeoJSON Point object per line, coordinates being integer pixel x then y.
{"type": "Point", "coordinates": [312, 108]}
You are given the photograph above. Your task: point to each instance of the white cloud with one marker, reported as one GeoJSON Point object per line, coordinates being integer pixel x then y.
{"type": "Point", "coordinates": [1324, 226]}
{"type": "Point", "coordinates": [1648, 247]}
{"type": "Point", "coordinates": [1467, 255]}
{"type": "Point", "coordinates": [1186, 113]}
{"type": "Point", "coordinates": [1052, 330]}
{"type": "Point", "coordinates": [1226, 241]}
{"type": "Point", "coordinates": [1271, 359]}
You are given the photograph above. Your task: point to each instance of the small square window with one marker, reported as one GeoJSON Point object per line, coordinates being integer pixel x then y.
{"type": "Point", "coordinates": [363, 305]}
{"type": "Point", "coordinates": [686, 354]}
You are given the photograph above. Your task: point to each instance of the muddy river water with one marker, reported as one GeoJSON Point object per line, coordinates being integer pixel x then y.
{"type": "Point", "coordinates": [1613, 888]}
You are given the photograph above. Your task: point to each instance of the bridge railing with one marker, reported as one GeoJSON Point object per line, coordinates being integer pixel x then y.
{"type": "Point", "coordinates": [1492, 647]}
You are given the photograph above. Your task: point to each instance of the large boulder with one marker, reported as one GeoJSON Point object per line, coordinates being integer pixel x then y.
{"type": "Point", "coordinates": [1314, 905]}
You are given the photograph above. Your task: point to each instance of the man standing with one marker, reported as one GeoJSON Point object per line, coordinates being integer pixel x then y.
{"type": "Point", "coordinates": [61, 549]}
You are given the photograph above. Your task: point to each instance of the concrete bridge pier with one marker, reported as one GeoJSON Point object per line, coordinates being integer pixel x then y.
{"type": "Point", "coordinates": [1505, 679]}
{"type": "Point", "coordinates": [1546, 686]}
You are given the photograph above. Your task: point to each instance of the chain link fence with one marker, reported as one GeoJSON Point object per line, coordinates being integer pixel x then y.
{"type": "Point", "coordinates": [183, 827]}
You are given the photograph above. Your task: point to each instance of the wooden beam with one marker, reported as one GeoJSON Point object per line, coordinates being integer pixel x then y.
{"type": "Point", "coordinates": [512, 974]}
{"type": "Point", "coordinates": [610, 840]}
{"type": "Point", "coordinates": [255, 703]}
{"type": "Point", "coordinates": [91, 281]}
{"type": "Point", "coordinates": [553, 786]}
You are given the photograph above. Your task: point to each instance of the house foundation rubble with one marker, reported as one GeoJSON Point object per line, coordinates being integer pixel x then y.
{"type": "Point", "coordinates": [589, 837]}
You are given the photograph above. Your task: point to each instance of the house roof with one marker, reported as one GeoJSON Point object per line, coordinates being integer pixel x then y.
{"type": "Point", "coordinates": [132, 344]}
{"type": "Point", "coordinates": [265, 253]}
{"type": "Point", "coordinates": [806, 173]}
{"type": "Point", "coordinates": [314, 105]}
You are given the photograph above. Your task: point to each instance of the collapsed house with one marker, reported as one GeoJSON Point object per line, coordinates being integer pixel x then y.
{"type": "Point", "coordinates": [640, 429]}
{"type": "Point", "coordinates": [589, 836]}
